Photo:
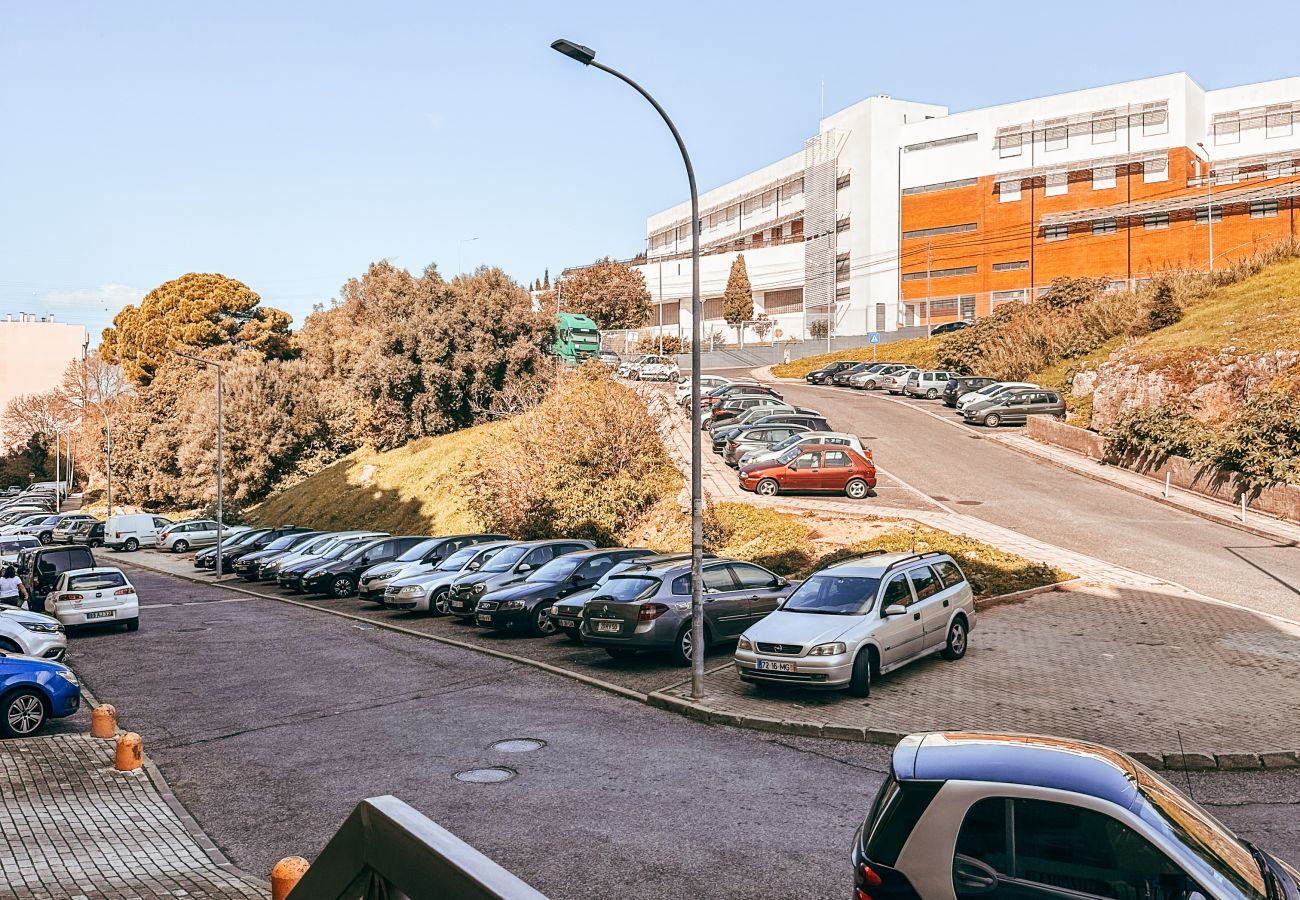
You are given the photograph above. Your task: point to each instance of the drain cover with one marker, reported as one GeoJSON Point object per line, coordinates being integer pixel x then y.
{"type": "Point", "coordinates": [518, 745]}
{"type": "Point", "coordinates": [493, 775]}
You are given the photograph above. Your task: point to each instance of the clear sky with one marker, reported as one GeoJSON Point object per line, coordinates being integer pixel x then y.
{"type": "Point", "coordinates": [290, 144]}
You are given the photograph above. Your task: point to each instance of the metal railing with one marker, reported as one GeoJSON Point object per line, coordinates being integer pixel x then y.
{"type": "Point", "coordinates": [385, 850]}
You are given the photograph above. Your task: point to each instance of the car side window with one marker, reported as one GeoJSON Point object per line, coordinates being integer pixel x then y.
{"type": "Point", "coordinates": [595, 567]}
{"type": "Point", "coordinates": [750, 576]}
{"type": "Point", "coordinates": [897, 593]}
{"type": "Point", "coordinates": [540, 556]}
{"type": "Point", "coordinates": [924, 582]}
{"type": "Point", "coordinates": [838, 459]}
{"type": "Point", "coordinates": [948, 572]}
{"type": "Point", "coordinates": [806, 461]}
{"type": "Point", "coordinates": [159, 523]}
{"type": "Point", "coordinates": [1020, 400]}
{"type": "Point", "coordinates": [717, 580]}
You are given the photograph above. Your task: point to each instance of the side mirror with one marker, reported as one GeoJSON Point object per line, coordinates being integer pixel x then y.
{"type": "Point", "coordinates": [524, 567]}
{"type": "Point", "coordinates": [895, 609]}
{"type": "Point", "coordinates": [474, 566]}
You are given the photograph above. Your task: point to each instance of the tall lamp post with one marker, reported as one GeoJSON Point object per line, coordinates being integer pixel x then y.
{"type": "Point", "coordinates": [1209, 201]}
{"type": "Point", "coordinates": [221, 519]}
{"type": "Point", "coordinates": [587, 57]}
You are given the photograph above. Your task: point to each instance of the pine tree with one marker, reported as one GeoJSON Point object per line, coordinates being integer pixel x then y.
{"type": "Point", "coordinates": [1165, 310]}
{"type": "Point", "coordinates": [738, 300]}
{"type": "Point", "coordinates": [546, 281]}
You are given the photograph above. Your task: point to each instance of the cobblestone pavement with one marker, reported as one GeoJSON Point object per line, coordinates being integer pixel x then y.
{"type": "Point", "coordinates": [73, 827]}
{"type": "Point", "coordinates": [1130, 668]}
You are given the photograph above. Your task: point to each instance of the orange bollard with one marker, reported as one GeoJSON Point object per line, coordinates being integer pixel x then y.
{"type": "Point", "coordinates": [130, 752]}
{"type": "Point", "coordinates": [103, 721]}
{"type": "Point", "coordinates": [286, 875]}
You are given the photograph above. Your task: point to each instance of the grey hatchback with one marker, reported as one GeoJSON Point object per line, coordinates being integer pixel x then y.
{"type": "Point", "coordinates": [1016, 408]}
{"type": "Point", "coordinates": [649, 607]}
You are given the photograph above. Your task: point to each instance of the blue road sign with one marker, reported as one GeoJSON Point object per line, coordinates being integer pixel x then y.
{"type": "Point", "coordinates": [875, 337]}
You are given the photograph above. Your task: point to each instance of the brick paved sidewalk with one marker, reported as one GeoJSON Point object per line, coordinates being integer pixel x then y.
{"type": "Point", "coordinates": [73, 827]}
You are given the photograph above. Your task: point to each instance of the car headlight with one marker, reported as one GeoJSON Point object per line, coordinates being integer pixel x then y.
{"type": "Point", "coordinates": [480, 588]}
{"type": "Point", "coordinates": [66, 675]}
{"type": "Point", "coordinates": [409, 590]}
{"type": "Point", "coordinates": [744, 644]}
{"type": "Point", "coordinates": [43, 628]}
{"type": "Point", "coordinates": [834, 649]}
{"type": "Point", "coordinates": [511, 604]}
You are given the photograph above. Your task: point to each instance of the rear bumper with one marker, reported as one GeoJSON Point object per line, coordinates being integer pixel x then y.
{"type": "Point", "coordinates": [72, 615]}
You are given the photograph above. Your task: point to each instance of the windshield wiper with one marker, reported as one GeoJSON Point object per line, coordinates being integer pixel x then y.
{"type": "Point", "coordinates": [815, 612]}
{"type": "Point", "coordinates": [1265, 868]}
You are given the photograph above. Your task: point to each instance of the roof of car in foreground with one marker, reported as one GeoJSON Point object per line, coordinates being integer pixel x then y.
{"type": "Point", "coordinates": [1023, 759]}
{"type": "Point", "coordinates": [877, 563]}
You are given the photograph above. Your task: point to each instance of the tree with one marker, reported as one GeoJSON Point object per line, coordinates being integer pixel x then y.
{"type": "Point", "coordinates": [738, 299]}
{"type": "Point", "coordinates": [762, 326]}
{"type": "Point", "coordinates": [613, 294]}
{"type": "Point", "coordinates": [546, 279]}
{"type": "Point", "coordinates": [193, 312]}
{"type": "Point", "coordinates": [1165, 310]}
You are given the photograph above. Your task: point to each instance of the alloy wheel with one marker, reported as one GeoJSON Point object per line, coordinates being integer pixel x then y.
{"type": "Point", "coordinates": [767, 487]}
{"type": "Point", "coordinates": [25, 714]}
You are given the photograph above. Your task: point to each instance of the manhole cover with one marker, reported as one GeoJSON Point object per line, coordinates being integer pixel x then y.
{"type": "Point", "coordinates": [518, 745]}
{"type": "Point", "coordinates": [493, 775]}
{"type": "Point", "coordinates": [970, 502]}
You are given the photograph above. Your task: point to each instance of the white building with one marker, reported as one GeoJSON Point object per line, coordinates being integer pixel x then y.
{"type": "Point", "coordinates": [34, 352]}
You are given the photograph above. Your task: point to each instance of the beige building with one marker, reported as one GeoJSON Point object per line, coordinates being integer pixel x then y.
{"type": "Point", "coordinates": [34, 351]}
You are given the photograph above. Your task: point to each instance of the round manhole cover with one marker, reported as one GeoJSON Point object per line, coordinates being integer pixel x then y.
{"type": "Point", "coordinates": [518, 745]}
{"type": "Point", "coordinates": [493, 775]}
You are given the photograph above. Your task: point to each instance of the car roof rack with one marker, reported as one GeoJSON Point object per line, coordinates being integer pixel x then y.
{"type": "Point", "coordinates": [865, 554]}
{"type": "Point", "coordinates": [911, 557]}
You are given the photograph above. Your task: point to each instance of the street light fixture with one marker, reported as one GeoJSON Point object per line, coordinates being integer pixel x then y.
{"type": "Point", "coordinates": [587, 57]}
{"type": "Point", "coordinates": [221, 519]}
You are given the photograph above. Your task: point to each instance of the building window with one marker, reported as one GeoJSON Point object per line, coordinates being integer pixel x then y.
{"type": "Point", "coordinates": [1011, 266]}
{"type": "Point", "coordinates": [940, 186]}
{"type": "Point", "coordinates": [1263, 209]}
{"type": "Point", "coordinates": [1155, 221]}
{"type": "Point", "coordinates": [1104, 226]}
{"type": "Point", "coordinates": [670, 310]}
{"type": "Point", "coordinates": [1103, 127]}
{"type": "Point", "coordinates": [1227, 130]}
{"type": "Point", "coordinates": [712, 309]}
{"type": "Point", "coordinates": [1204, 216]}
{"type": "Point", "coordinates": [942, 230]}
{"type": "Point", "coordinates": [1058, 183]}
{"type": "Point", "coordinates": [842, 182]}
{"type": "Point", "coordinates": [1055, 135]}
{"type": "Point", "coordinates": [1009, 191]}
{"type": "Point", "coordinates": [1155, 170]}
{"type": "Point", "coordinates": [842, 267]}
{"type": "Point", "coordinates": [1103, 177]}
{"type": "Point", "coordinates": [1056, 232]}
{"type": "Point", "coordinates": [785, 301]}
{"type": "Point", "coordinates": [941, 142]}
{"type": "Point", "coordinates": [1155, 119]}
{"type": "Point", "coordinates": [1009, 145]}
{"type": "Point", "coordinates": [796, 228]}
{"type": "Point", "coordinates": [1278, 122]}
{"type": "Point", "coordinates": [1007, 296]}
{"type": "Point", "coordinates": [842, 292]}
{"type": "Point", "coordinates": [880, 317]}
{"type": "Point", "coordinates": [967, 304]}
{"type": "Point", "coordinates": [842, 225]}
{"type": "Point", "coordinates": [940, 273]}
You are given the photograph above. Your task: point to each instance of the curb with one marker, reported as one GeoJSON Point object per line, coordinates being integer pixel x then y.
{"type": "Point", "coordinates": [661, 699]}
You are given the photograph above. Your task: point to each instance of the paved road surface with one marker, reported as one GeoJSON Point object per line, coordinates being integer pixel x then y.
{"type": "Point", "coordinates": [271, 721]}
{"type": "Point", "coordinates": [981, 478]}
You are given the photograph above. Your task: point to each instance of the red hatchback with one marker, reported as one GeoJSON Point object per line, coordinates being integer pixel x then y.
{"type": "Point", "coordinates": [812, 467]}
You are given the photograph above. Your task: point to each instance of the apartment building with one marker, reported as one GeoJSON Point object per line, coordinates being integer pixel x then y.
{"type": "Point", "coordinates": [898, 213]}
{"type": "Point", "coordinates": [34, 352]}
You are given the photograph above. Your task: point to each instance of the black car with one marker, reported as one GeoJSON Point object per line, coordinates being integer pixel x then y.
{"type": "Point", "coordinates": [89, 534]}
{"type": "Point", "coordinates": [963, 385]}
{"type": "Point", "coordinates": [822, 375]}
{"type": "Point", "coordinates": [949, 327]}
{"type": "Point", "coordinates": [40, 568]}
{"type": "Point", "coordinates": [289, 575]}
{"type": "Point", "coordinates": [247, 565]}
{"type": "Point", "coordinates": [811, 421]}
{"type": "Point", "coordinates": [842, 377]}
{"type": "Point", "coordinates": [229, 555]}
{"type": "Point", "coordinates": [737, 389]}
{"type": "Point", "coordinates": [207, 559]}
{"type": "Point", "coordinates": [339, 577]}
{"type": "Point", "coordinates": [511, 566]}
{"type": "Point", "coordinates": [528, 603]}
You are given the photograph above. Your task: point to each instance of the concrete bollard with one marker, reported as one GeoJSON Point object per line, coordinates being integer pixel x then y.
{"type": "Point", "coordinates": [103, 721]}
{"type": "Point", "coordinates": [130, 752]}
{"type": "Point", "coordinates": [286, 875]}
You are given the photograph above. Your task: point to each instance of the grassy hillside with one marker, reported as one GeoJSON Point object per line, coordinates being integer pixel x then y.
{"type": "Point", "coordinates": [918, 352]}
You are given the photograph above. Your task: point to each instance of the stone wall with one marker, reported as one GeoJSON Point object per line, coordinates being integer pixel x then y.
{"type": "Point", "coordinates": [1049, 431]}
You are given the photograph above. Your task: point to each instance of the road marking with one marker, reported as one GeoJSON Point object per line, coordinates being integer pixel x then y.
{"type": "Point", "coordinates": [193, 602]}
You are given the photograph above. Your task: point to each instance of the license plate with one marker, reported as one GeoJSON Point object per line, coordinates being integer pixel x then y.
{"type": "Point", "coordinates": [458, 604]}
{"type": "Point", "coordinates": [564, 623]}
{"type": "Point", "coordinates": [484, 619]}
{"type": "Point", "coordinates": [609, 627]}
{"type": "Point", "coordinates": [106, 614]}
{"type": "Point", "coordinates": [769, 666]}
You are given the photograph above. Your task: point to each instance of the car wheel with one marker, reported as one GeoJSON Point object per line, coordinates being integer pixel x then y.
{"type": "Point", "coordinates": [992, 420]}
{"type": "Point", "coordinates": [620, 652]}
{"type": "Point", "coordinates": [574, 636]}
{"type": "Point", "coordinates": [684, 647]}
{"type": "Point", "coordinates": [133, 624]}
{"type": "Point", "coordinates": [767, 487]}
{"type": "Point", "coordinates": [6, 644]}
{"type": "Point", "coordinates": [180, 546]}
{"type": "Point", "coordinates": [856, 489]}
{"type": "Point", "coordinates": [931, 394]}
{"type": "Point", "coordinates": [541, 622]}
{"type": "Point", "coordinates": [440, 604]}
{"type": "Point", "coordinates": [957, 640]}
{"type": "Point", "coordinates": [23, 714]}
{"type": "Point", "coordinates": [131, 545]}
{"type": "Point", "coordinates": [45, 537]}
{"type": "Point", "coordinates": [860, 682]}
{"type": "Point", "coordinates": [341, 587]}
{"type": "Point", "coordinates": [94, 544]}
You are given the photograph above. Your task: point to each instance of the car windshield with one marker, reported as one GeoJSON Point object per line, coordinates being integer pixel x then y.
{"type": "Point", "coordinates": [557, 569]}
{"type": "Point", "coordinates": [788, 456]}
{"type": "Point", "coordinates": [457, 560]}
{"type": "Point", "coordinates": [833, 595]}
{"type": "Point", "coordinates": [355, 550]}
{"type": "Point", "coordinates": [319, 545]}
{"type": "Point", "coordinates": [244, 537]}
{"type": "Point", "coordinates": [791, 441]}
{"type": "Point", "coordinates": [97, 581]}
{"type": "Point", "coordinates": [417, 552]}
{"type": "Point", "coordinates": [629, 587]}
{"type": "Point", "coordinates": [505, 559]}
{"type": "Point", "coordinates": [282, 543]}
{"type": "Point", "coordinates": [343, 548]}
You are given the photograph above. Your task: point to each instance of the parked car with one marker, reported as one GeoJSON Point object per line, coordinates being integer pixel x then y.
{"type": "Point", "coordinates": [21, 522]}
{"type": "Point", "coordinates": [897, 382]}
{"type": "Point", "coordinates": [185, 536]}
{"type": "Point", "coordinates": [731, 410]}
{"type": "Point", "coordinates": [838, 438]}
{"type": "Point", "coordinates": [133, 531]}
{"type": "Point", "coordinates": [429, 591]}
{"type": "Point", "coordinates": [656, 368]}
{"type": "Point", "coordinates": [609, 358]}
{"type": "Point", "coordinates": [260, 541]}
{"type": "Point", "coordinates": [958, 387]}
{"type": "Point", "coordinates": [32, 634]}
{"type": "Point", "coordinates": [682, 392]}
{"type": "Point", "coordinates": [15, 516]}
{"type": "Point", "coordinates": [11, 545]}
{"type": "Point", "coordinates": [64, 531]}
{"type": "Point", "coordinates": [41, 528]}
{"type": "Point", "coordinates": [757, 437]}
{"type": "Point", "coordinates": [338, 578]}
{"type": "Point", "coordinates": [269, 570]}
{"type": "Point", "coordinates": [812, 467]}
{"type": "Point", "coordinates": [94, 596]}
{"type": "Point", "coordinates": [851, 622]}
{"type": "Point", "coordinates": [33, 691]}
{"type": "Point", "coordinates": [89, 534]}
{"type": "Point", "coordinates": [928, 383]}
{"type": "Point", "coordinates": [737, 389]}
{"type": "Point", "coordinates": [1011, 815]}
{"type": "Point", "coordinates": [290, 576]}
{"type": "Point", "coordinates": [56, 525]}
{"type": "Point", "coordinates": [627, 367]}
{"type": "Point", "coordinates": [206, 559]}
{"type": "Point", "coordinates": [949, 327]}
{"type": "Point", "coordinates": [425, 556]}
{"type": "Point", "coordinates": [843, 376]}
{"type": "Point", "coordinates": [813, 421]}
{"type": "Point", "coordinates": [566, 614]}
{"type": "Point", "coordinates": [873, 377]}
{"type": "Point", "coordinates": [721, 430]}
{"type": "Point", "coordinates": [40, 568]}
{"type": "Point", "coordinates": [508, 567]}
{"type": "Point", "coordinates": [648, 608]}
{"type": "Point", "coordinates": [1016, 408]}
{"type": "Point", "coordinates": [989, 391]}
{"type": "Point", "coordinates": [248, 564]}
{"type": "Point", "coordinates": [527, 605]}
{"type": "Point", "coordinates": [824, 374]}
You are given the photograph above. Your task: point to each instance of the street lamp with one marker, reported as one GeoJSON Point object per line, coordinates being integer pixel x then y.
{"type": "Point", "coordinates": [587, 57]}
{"type": "Point", "coordinates": [1209, 201]}
{"type": "Point", "coordinates": [221, 520]}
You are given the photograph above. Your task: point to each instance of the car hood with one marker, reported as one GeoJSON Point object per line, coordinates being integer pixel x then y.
{"type": "Point", "coordinates": [528, 590]}
{"type": "Point", "coordinates": [492, 580]}
{"type": "Point", "coordinates": [760, 465]}
{"type": "Point", "coordinates": [330, 566]}
{"type": "Point", "coordinates": [259, 555]}
{"type": "Point", "coordinates": [426, 579]}
{"type": "Point", "coordinates": [9, 614]}
{"type": "Point", "coordinates": [383, 570]}
{"type": "Point", "coordinates": [302, 565]}
{"type": "Point", "coordinates": [578, 600]}
{"type": "Point", "coordinates": [807, 629]}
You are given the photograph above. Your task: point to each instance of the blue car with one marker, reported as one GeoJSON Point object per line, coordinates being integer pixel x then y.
{"type": "Point", "coordinates": [33, 690]}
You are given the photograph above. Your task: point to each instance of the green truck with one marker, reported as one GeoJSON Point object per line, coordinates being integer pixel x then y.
{"type": "Point", "coordinates": [576, 339]}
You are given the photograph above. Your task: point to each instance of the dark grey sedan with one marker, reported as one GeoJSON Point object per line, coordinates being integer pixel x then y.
{"type": "Point", "coordinates": [1016, 408]}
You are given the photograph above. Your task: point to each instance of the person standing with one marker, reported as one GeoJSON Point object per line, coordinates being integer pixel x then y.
{"type": "Point", "coordinates": [12, 590]}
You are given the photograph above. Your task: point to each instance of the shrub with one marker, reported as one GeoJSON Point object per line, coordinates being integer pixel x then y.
{"type": "Point", "coordinates": [1164, 430]}
{"type": "Point", "coordinates": [757, 534]}
{"type": "Point", "coordinates": [672, 345]}
{"type": "Point", "coordinates": [818, 329]}
{"type": "Point", "coordinates": [1262, 441]}
{"type": "Point", "coordinates": [1164, 309]}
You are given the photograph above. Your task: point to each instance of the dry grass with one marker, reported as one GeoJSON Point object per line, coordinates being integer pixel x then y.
{"type": "Point", "coordinates": [918, 352]}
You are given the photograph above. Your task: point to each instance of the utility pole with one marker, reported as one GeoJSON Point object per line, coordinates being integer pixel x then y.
{"type": "Point", "coordinates": [928, 325]}
{"type": "Point", "coordinates": [1209, 202]}
{"type": "Point", "coordinates": [221, 520]}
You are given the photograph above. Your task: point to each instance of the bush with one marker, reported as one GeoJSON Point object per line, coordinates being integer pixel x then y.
{"type": "Point", "coordinates": [819, 329]}
{"type": "Point", "coordinates": [757, 534]}
{"type": "Point", "coordinates": [1163, 430]}
{"type": "Point", "coordinates": [1164, 309]}
{"type": "Point", "coordinates": [672, 345]}
{"type": "Point", "coordinates": [1262, 441]}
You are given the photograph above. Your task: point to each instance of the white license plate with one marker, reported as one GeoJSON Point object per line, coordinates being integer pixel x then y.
{"type": "Point", "coordinates": [769, 666]}
{"type": "Point", "coordinates": [106, 614]}
{"type": "Point", "coordinates": [457, 604]}
{"type": "Point", "coordinates": [609, 627]}
{"type": "Point", "coordinates": [564, 623]}
{"type": "Point", "coordinates": [484, 619]}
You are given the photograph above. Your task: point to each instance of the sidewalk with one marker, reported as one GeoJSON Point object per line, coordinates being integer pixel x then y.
{"type": "Point", "coordinates": [74, 827]}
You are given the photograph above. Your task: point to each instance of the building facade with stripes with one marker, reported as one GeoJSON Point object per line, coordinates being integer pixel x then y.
{"type": "Point", "coordinates": [899, 213]}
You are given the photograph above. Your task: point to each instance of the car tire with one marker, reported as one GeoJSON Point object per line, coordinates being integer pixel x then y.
{"type": "Point", "coordinates": [931, 394]}
{"type": "Point", "coordinates": [574, 636]}
{"type": "Point", "coordinates": [856, 489]}
{"type": "Point", "coordinates": [681, 651]}
{"type": "Point", "coordinates": [992, 420]}
{"type": "Point", "coordinates": [767, 488]}
{"type": "Point", "coordinates": [860, 681]}
{"type": "Point", "coordinates": [958, 640]}
{"type": "Point", "coordinates": [440, 604]}
{"type": "Point", "coordinates": [341, 587]}
{"type": "Point", "coordinates": [133, 624]}
{"type": "Point", "coordinates": [180, 546]}
{"type": "Point", "coordinates": [620, 652]}
{"type": "Point", "coordinates": [22, 714]}
{"type": "Point", "coordinates": [539, 623]}
{"type": "Point", "coordinates": [45, 538]}
{"type": "Point", "coordinates": [131, 545]}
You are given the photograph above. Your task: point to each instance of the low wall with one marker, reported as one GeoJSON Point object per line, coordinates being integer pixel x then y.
{"type": "Point", "coordinates": [1281, 500]}
{"type": "Point", "coordinates": [734, 357]}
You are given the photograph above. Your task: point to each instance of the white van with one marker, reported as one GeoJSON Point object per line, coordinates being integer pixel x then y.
{"type": "Point", "coordinates": [131, 532]}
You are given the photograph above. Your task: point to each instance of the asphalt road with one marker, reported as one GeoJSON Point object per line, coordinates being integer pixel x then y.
{"type": "Point", "coordinates": [272, 721]}
{"type": "Point", "coordinates": [984, 479]}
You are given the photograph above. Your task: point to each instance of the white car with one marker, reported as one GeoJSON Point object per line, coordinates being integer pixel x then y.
{"type": "Point", "coordinates": [131, 531]}
{"type": "Point", "coordinates": [11, 545]}
{"type": "Point", "coordinates": [839, 438]}
{"type": "Point", "coordinates": [656, 368]}
{"type": "Point", "coordinates": [896, 382]}
{"type": "Point", "coordinates": [32, 634]}
{"type": "Point", "coordinates": [93, 596]}
{"type": "Point", "coordinates": [429, 591]}
{"type": "Point", "coordinates": [989, 391]}
{"type": "Point", "coordinates": [185, 536]}
{"type": "Point", "coordinates": [682, 393]}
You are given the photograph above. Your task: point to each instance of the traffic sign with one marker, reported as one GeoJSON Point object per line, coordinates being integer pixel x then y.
{"type": "Point", "coordinates": [875, 337]}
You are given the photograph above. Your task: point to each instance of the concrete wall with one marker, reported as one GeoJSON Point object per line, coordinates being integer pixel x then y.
{"type": "Point", "coordinates": [1049, 431]}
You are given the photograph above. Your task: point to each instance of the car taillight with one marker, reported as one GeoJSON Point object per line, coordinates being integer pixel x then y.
{"type": "Point", "coordinates": [651, 611]}
{"type": "Point", "coordinates": [164, 535]}
{"type": "Point", "coordinates": [868, 877]}
{"type": "Point", "coordinates": [121, 591]}
{"type": "Point", "coordinates": [73, 597]}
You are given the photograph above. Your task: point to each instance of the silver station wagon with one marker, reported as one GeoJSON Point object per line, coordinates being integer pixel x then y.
{"type": "Point", "coordinates": [860, 618]}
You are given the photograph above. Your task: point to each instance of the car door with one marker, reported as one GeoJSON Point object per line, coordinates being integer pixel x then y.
{"type": "Point", "coordinates": [932, 601]}
{"type": "Point", "coordinates": [202, 534]}
{"type": "Point", "coordinates": [804, 472]}
{"type": "Point", "coordinates": [726, 608]}
{"type": "Point", "coordinates": [836, 469]}
{"type": "Point", "coordinates": [899, 636]}
{"type": "Point", "coordinates": [1013, 411]}
{"type": "Point", "coordinates": [157, 524]}
{"type": "Point", "coordinates": [763, 591]}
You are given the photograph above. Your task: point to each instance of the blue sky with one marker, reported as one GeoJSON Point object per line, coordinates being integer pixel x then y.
{"type": "Point", "coordinates": [290, 144]}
